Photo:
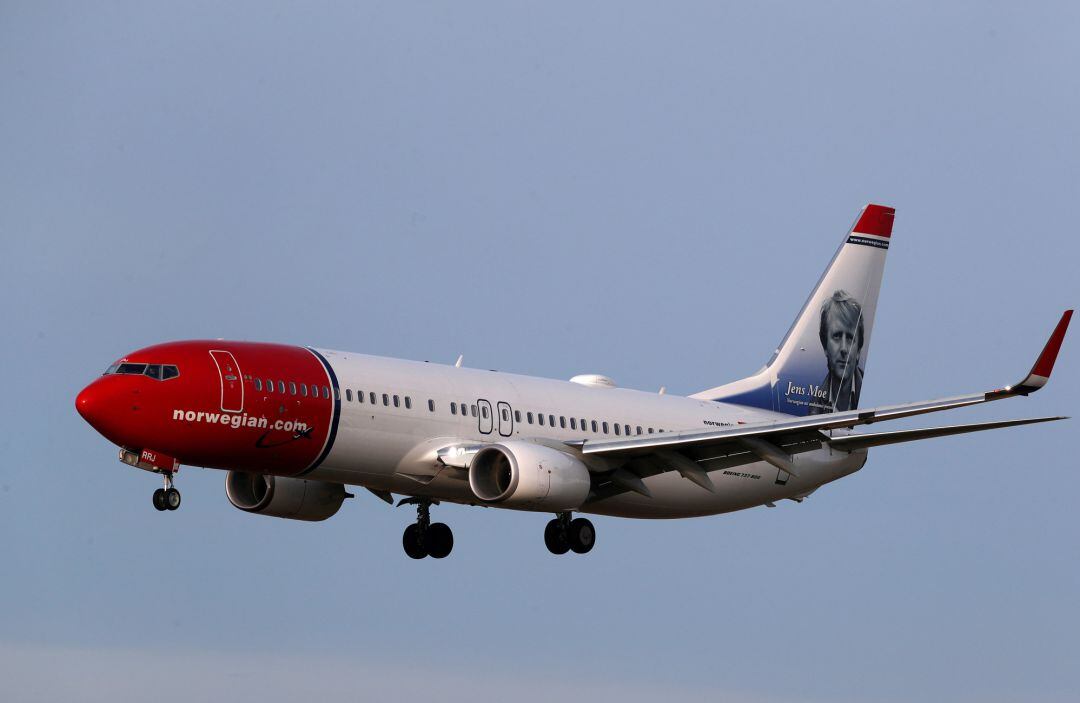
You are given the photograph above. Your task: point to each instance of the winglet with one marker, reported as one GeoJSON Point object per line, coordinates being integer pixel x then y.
{"type": "Point", "coordinates": [1040, 372]}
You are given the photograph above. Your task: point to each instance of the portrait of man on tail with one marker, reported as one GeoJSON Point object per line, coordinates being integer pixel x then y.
{"type": "Point", "coordinates": [842, 337]}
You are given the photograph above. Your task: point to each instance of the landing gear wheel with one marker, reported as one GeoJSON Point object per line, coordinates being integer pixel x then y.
{"type": "Point", "coordinates": [555, 538]}
{"type": "Point", "coordinates": [581, 535]}
{"type": "Point", "coordinates": [159, 499]}
{"type": "Point", "coordinates": [172, 498]}
{"type": "Point", "coordinates": [439, 540]}
{"type": "Point", "coordinates": [413, 542]}
{"type": "Point", "coordinates": [425, 538]}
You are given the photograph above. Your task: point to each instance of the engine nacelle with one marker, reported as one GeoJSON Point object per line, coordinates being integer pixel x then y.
{"type": "Point", "coordinates": [293, 498]}
{"type": "Point", "coordinates": [529, 475]}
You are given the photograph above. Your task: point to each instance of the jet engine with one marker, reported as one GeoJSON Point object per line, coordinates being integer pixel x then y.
{"type": "Point", "coordinates": [293, 498]}
{"type": "Point", "coordinates": [528, 475]}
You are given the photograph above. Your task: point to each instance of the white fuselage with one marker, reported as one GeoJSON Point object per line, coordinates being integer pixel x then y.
{"type": "Point", "coordinates": [387, 446]}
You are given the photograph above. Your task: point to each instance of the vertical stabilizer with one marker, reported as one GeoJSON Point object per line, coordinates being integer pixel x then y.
{"type": "Point", "coordinates": [819, 365]}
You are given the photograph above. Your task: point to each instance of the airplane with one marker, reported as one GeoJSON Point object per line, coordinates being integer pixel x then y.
{"type": "Point", "coordinates": [293, 426]}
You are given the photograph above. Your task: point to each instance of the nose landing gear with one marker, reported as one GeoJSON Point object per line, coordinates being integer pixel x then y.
{"type": "Point", "coordinates": [167, 498]}
{"type": "Point", "coordinates": [563, 535]}
{"type": "Point", "coordinates": [425, 538]}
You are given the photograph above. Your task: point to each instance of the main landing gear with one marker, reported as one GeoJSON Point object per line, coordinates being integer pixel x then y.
{"type": "Point", "coordinates": [563, 535]}
{"type": "Point", "coordinates": [425, 538]}
{"type": "Point", "coordinates": [167, 498]}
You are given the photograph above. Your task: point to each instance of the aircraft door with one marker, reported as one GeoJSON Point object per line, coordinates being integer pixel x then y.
{"type": "Point", "coordinates": [232, 384]}
{"type": "Point", "coordinates": [506, 419]}
{"type": "Point", "coordinates": [486, 418]}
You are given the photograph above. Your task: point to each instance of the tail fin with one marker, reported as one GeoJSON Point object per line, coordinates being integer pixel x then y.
{"type": "Point", "coordinates": [818, 367]}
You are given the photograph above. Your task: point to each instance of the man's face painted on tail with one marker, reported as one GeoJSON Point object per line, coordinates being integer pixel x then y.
{"type": "Point", "coordinates": [842, 346]}
{"type": "Point", "coordinates": [841, 335]}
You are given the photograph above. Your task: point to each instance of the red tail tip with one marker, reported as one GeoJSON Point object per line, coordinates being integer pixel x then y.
{"type": "Point", "coordinates": [876, 220]}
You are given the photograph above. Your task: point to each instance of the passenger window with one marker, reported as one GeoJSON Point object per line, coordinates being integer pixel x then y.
{"type": "Point", "coordinates": [650, 430]}
{"type": "Point", "coordinates": [584, 425]}
{"type": "Point", "coordinates": [397, 402]}
{"type": "Point", "coordinates": [386, 400]}
{"type": "Point", "coordinates": [314, 391]}
{"type": "Point", "coordinates": [639, 429]}
{"type": "Point", "coordinates": [573, 423]}
{"type": "Point", "coordinates": [562, 421]}
{"type": "Point", "coordinates": [359, 396]}
{"type": "Point", "coordinates": [540, 417]}
{"type": "Point", "coordinates": [326, 392]}
{"type": "Point", "coordinates": [484, 411]}
{"type": "Point", "coordinates": [258, 384]}
{"type": "Point", "coordinates": [281, 387]}
{"type": "Point", "coordinates": [605, 428]}
{"type": "Point", "coordinates": [506, 415]}
{"type": "Point", "coordinates": [517, 416]}
{"type": "Point", "coordinates": [453, 408]}
{"type": "Point", "coordinates": [627, 429]}
{"type": "Point", "coordinates": [529, 416]}
{"type": "Point", "coordinates": [594, 426]}
{"type": "Point", "coordinates": [371, 397]}
{"type": "Point", "coordinates": [617, 431]}
{"type": "Point", "coordinates": [292, 388]}
{"type": "Point", "coordinates": [348, 394]}
{"type": "Point", "coordinates": [337, 394]}
{"type": "Point", "coordinates": [551, 420]}
{"type": "Point", "coordinates": [303, 389]}
{"type": "Point", "coordinates": [168, 372]}
{"type": "Point", "coordinates": [431, 405]}
{"type": "Point", "coordinates": [408, 403]}
{"type": "Point", "coordinates": [473, 408]}
{"type": "Point", "coordinates": [269, 386]}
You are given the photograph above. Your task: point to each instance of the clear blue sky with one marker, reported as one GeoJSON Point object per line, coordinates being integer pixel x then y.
{"type": "Point", "coordinates": [643, 190]}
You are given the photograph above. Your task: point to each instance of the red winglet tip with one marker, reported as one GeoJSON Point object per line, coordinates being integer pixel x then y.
{"type": "Point", "coordinates": [1045, 364]}
{"type": "Point", "coordinates": [876, 220]}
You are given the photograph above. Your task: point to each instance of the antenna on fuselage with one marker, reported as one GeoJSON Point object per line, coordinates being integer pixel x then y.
{"type": "Point", "coordinates": [663, 390]}
{"type": "Point", "coordinates": [457, 364]}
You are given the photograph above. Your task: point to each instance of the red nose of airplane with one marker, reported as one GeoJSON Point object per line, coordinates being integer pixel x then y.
{"type": "Point", "coordinates": [101, 404]}
{"type": "Point", "coordinates": [89, 404]}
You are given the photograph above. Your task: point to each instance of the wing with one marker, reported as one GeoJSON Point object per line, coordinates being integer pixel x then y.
{"type": "Point", "coordinates": [694, 453]}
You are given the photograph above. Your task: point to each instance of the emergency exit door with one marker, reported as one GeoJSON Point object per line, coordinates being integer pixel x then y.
{"type": "Point", "coordinates": [506, 419]}
{"type": "Point", "coordinates": [487, 422]}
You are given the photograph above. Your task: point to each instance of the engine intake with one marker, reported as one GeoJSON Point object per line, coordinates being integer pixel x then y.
{"type": "Point", "coordinates": [292, 498]}
{"type": "Point", "coordinates": [529, 475]}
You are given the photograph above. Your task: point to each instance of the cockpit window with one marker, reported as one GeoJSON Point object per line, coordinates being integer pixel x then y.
{"type": "Point", "coordinates": [158, 372]}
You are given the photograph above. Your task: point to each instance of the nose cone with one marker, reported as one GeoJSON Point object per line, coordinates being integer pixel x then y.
{"type": "Point", "coordinates": [102, 404]}
{"type": "Point", "coordinates": [90, 405]}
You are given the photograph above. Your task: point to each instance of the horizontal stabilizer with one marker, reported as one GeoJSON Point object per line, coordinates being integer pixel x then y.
{"type": "Point", "coordinates": [877, 439]}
